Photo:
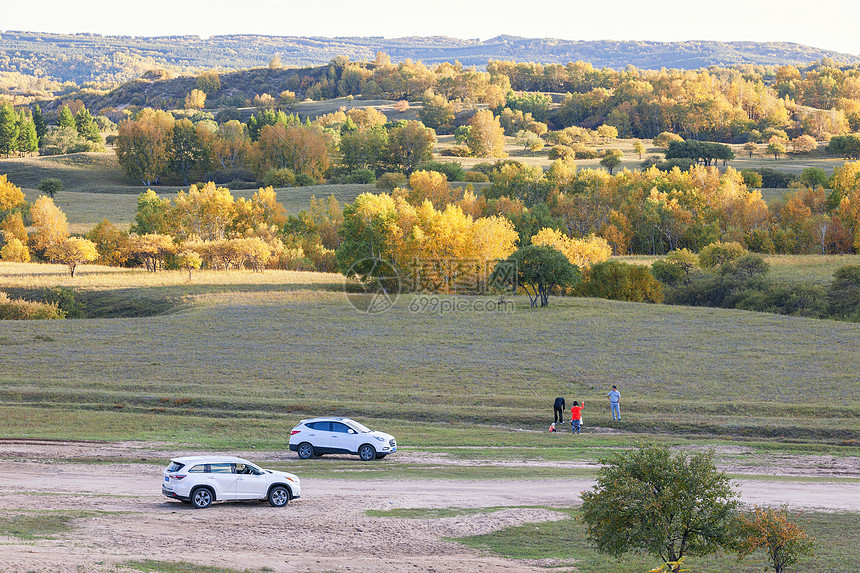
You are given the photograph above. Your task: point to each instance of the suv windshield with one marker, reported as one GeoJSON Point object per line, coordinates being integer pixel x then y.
{"type": "Point", "coordinates": [361, 428]}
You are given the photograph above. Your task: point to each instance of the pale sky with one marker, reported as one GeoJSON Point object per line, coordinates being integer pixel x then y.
{"type": "Point", "coordinates": [828, 24]}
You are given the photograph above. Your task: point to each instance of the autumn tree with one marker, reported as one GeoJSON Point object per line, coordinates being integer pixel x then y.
{"type": "Point", "coordinates": [11, 195]}
{"type": "Point", "coordinates": [142, 145]}
{"type": "Point", "coordinates": [303, 148]}
{"type": "Point", "coordinates": [638, 148]}
{"type": "Point", "coordinates": [668, 505]}
{"type": "Point", "coordinates": [73, 251]}
{"type": "Point", "coordinates": [232, 145]}
{"type": "Point", "coordinates": [152, 249]}
{"type": "Point", "coordinates": [580, 252]}
{"type": "Point", "coordinates": [410, 144]}
{"type": "Point", "coordinates": [773, 531]}
{"type": "Point", "coordinates": [776, 149]}
{"type": "Point", "coordinates": [50, 224]}
{"type": "Point", "coordinates": [436, 111]}
{"type": "Point", "coordinates": [486, 137]}
{"type": "Point", "coordinates": [196, 99]}
{"type": "Point", "coordinates": [189, 259]}
{"type": "Point", "coordinates": [112, 243]}
{"type": "Point", "coordinates": [750, 147]}
{"type": "Point", "coordinates": [205, 212]}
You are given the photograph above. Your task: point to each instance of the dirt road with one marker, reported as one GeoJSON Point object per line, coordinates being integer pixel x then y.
{"type": "Point", "coordinates": [126, 517]}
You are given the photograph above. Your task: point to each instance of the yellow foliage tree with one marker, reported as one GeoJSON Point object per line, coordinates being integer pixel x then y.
{"type": "Point", "coordinates": [152, 248]}
{"type": "Point", "coordinates": [14, 251]}
{"type": "Point", "coordinates": [10, 195]}
{"type": "Point", "coordinates": [72, 252]}
{"type": "Point", "coordinates": [51, 225]}
{"type": "Point", "coordinates": [580, 252]}
{"type": "Point", "coordinates": [203, 212]}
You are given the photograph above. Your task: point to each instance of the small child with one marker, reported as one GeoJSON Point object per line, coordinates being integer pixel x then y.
{"type": "Point", "coordinates": [576, 417]}
{"type": "Point", "coordinates": [552, 427]}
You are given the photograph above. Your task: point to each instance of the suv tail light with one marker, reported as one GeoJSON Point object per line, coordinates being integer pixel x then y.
{"type": "Point", "coordinates": [177, 476]}
{"type": "Point", "coordinates": [294, 432]}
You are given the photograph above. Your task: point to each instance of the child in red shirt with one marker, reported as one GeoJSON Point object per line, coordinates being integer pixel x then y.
{"type": "Point", "coordinates": [576, 417]}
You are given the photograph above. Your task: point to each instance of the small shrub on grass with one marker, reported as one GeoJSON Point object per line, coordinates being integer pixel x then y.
{"type": "Point", "coordinates": [391, 181]}
{"type": "Point", "coordinates": [279, 178]}
{"type": "Point", "coordinates": [18, 309]}
{"type": "Point", "coordinates": [364, 176]}
{"type": "Point", "coordinates": [454, 171]}
{"type": "Point", "coordinates": [50, 186]}
{"type": "Point", "coordinates": [475, 177]}
{"type": "Point", "coordinates": [305, 180]}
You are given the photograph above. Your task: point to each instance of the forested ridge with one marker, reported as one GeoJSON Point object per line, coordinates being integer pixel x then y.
{"type": "Point", "coordinates": [82, 58]}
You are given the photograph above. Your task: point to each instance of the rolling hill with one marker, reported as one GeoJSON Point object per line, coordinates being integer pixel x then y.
{"type": "Point", "coordinates": [82, 58]}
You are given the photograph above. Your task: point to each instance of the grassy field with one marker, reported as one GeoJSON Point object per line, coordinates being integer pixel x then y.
{"type": "Point", "coordinates": [271, 348]}
{"type": "Point", "coordinates": [563, 543]}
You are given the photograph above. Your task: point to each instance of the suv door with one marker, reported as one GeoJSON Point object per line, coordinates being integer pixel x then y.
{"type": "Point", "coordinates": [222, 477]}
{"type": "Point", "coordinates": [251, 483]}
{"type": "Point", "coordinates": [320, 436]}
{"type": "Point", "coordinates": [343, 438]}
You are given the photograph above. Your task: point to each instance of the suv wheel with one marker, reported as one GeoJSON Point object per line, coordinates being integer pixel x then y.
{"type": "Point", "coordinates": [305, 451]}
{"type": "Point", "coordinates": [201, 497]}
{"type": "Point", "coordinates": [279, 496]}
{"type": "Point", "coordinates": [367, 452]}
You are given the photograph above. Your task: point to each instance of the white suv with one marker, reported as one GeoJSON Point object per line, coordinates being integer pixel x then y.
{"type": "Point", "coordinates": [201, 480]}
{"type": "Point", "coordinates": [320, 436]}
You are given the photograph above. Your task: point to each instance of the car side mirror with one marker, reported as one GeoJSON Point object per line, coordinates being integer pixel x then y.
{"type": "Point", "coordinates": [351, 431]}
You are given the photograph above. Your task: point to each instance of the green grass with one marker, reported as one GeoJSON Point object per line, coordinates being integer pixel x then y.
{"type": "Point", "coordinates": [152, 565]}
{"type": "Point", "coordinates": [42, 524]}
{"type": "Point", "coordinates": [271, 360]}
{"type": "Point", "coordinates": [563, 543]}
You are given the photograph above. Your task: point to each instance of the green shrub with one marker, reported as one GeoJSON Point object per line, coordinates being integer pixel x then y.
{"type": "Point", "coordinates": [391, 181]}
{"type": "Point", "coordinates": [718, 253]}
{"type": "Point", "coordinates": [279, 178]}
{"type": "Point", "coordinates": [361, 176]}
{"type": "Point", "coordinates": [305, 180]}
{"type": "Point", "coordinates": [454, 171]}
{"type": "Point", "coordinates": [50, 186]}
{"type": "Point", "coordinates": [456, 151]}
{"type": "Point", "coordinates": [615, 280]}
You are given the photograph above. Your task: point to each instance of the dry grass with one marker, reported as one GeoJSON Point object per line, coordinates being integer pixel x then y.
{"type": "Point", "coordinates": [95, 277]}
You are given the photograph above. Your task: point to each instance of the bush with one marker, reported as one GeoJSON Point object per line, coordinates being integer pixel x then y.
{"type": "Point", "coordinates": [775, 179]}
{"type": "Point", "coordinates": [391, 181]}
{"type": "Point", "coordinates": [561, 152]}
{"type": "Point", "coordinates": [752, 178]}
{"type": "Point", "coordinates": [615, 280]}
{"type": "Point", "coordinates": [18, 309]}
{"type": "Point", "coordinates": [844, 293]}
{"type": "Point", "coordinates": [305, 180]}
{"type": "Point", "coordinates": [456, 151]}
{"type": "Point", "coordinates": [224, 176]}
{"type": "Point", "coordinates": [454, 171]}
{"type": "Point", "coordinates": [475, 177]}
{"type": "Point", "coordinates": [682, 163]}
{"type": "Point", "coordinates": [280, 178]}
{"type": "Point", "coordinates": [66, 300]}
{"type": "Point", "coordinates": [50, 186]}
{"type": "Point", "coordinates": [361, 176]}
{"type": "Point", "coordinates": [718, 253]}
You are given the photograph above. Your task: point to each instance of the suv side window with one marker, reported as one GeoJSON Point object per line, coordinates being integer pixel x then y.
{"type": "Point", "coordinates": [221, 468]}
{"type": "Point", "coordinates": [340, 428]}
{"type": "Point", "coordinates": [198, 469]}
{"type": "Point", "coordinates": [321, 426]}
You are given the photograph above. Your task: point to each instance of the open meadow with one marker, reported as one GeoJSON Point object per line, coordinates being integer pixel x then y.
{"type": "Point", "coordinates": [168, 365]}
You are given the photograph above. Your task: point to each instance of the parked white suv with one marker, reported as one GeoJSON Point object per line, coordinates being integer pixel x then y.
{"type": "Point", "coordinates": [319, 436]}
{"type": "Point", "coordinates": [200, 480]}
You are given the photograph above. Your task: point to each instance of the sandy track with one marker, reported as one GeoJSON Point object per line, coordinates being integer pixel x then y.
{"type": "Point", "coordinates": [327, 530]}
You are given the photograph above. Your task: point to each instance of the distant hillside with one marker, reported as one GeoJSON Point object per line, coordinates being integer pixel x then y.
{"type": "Point", "coordinates": [95, 58]}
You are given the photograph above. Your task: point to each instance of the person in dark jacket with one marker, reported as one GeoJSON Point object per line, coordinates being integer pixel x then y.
{"type": "Point", "coordinates": [558, 410]}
